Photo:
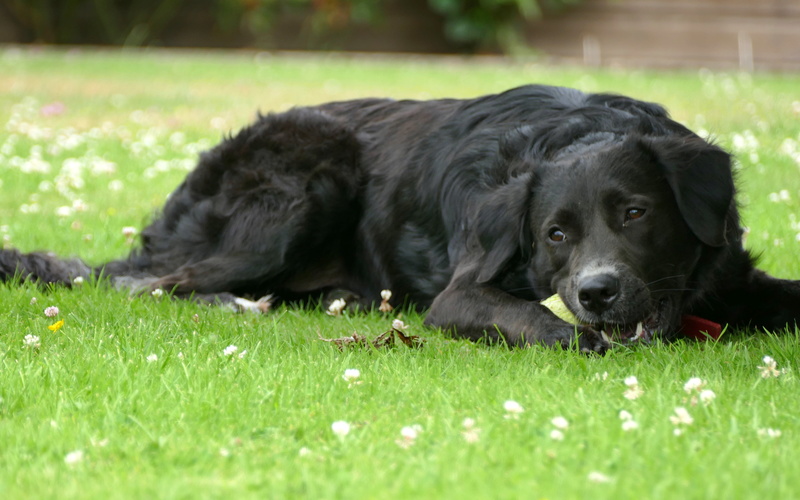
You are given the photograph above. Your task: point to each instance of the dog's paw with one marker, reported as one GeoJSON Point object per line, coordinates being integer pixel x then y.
{"type": "Point", "coordinates": [590, 340]}
{"type": "Point", "coordinates": [262, 305]}
{"type": "Point", "coordinates": [136, 286]}
{"type": "Point", "coordinates": [584, 338]}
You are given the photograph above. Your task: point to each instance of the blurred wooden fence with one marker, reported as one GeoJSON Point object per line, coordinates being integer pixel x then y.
{"type": "Point", "coordinates": [745, 34]}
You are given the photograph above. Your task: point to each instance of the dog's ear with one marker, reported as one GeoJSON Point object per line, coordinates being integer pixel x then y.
{"type": "Point", "coordinates": [501, 225]}
{"type": "Point", "coordinates": [700, 176]}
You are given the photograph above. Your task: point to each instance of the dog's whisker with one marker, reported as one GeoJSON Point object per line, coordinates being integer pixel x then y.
{"type": "Point", "coordinates": [675, 276]}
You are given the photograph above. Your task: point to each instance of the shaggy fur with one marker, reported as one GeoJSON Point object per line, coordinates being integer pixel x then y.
{"type": "Point", "coordinates": [474, 209]}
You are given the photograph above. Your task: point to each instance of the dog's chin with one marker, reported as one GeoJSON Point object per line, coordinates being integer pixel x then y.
{"type": "Point", "coordinates": [658, 322]}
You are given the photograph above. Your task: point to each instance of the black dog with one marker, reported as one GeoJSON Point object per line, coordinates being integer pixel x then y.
{"type": "Point", "coordinates": [476, 209]}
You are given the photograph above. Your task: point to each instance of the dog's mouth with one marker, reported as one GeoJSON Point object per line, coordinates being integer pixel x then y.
{"type": "Point", "coordinates": [642, 331]}
{"type": "Point", "coordinates": [629, 333]}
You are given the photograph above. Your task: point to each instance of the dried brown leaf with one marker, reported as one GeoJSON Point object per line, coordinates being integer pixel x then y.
{"type": "Point", "coordinates": [386, 339]}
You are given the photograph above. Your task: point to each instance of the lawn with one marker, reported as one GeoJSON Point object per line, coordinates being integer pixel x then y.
{"type": "Point", "coordinates": [150, 398]}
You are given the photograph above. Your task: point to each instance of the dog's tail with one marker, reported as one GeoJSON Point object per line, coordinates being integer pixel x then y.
{"type": "Point", "coordinates": [41, 267]}
{"type": "Point", "coordinates": [48, 268]}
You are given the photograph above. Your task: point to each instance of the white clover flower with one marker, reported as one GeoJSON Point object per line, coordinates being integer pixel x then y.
{"type": "Point", "coordinates": [681, 417]}
{"type": "Point", "coordinates": [351, 374]}
{"type": "Point", "coordinates": [100, 166]}
{"type": "Point", "coordinates": [100, 443]}
{"type": "Point", "coordinates": [34, 300]}
{"type": "Point", "coordinates": [177, 138]}
{"type": "Point", "coordinates": [399, 325]}
{"type": "Point", "coordinates": [340, 428]}
{"type": "Point", "coordinates": [560, 422]}
{"type": "Point", "coordinates": [152, 358]}
{"type": "Point", "coordinates": [80, 205]}
{"type": "Point", "coordinates": [64, 211]}
{"type": "Point", "coordinates": [770, 433]}
{"type": "Point", "coordinates": [78, 281]}
{"type": "Point", "coordinates": [74, 457]}
{"type": "Point", "coordinates": [157, 293]}
{"type": "Point", "coordinates": [230, 350]}
{"type": "Point", "coordinates": [408, 436]}
{"type": "Point", "coordinates": [32, 341]}
{"type": "Point", "coordinates": [129, 231]}
{"type": "Point", "coordinates": [629, 425]}
{"type": "Point", "coordinates": [707, 396]}
{"type": "Point", "coordinates": [51, 312]}
{"type": "Point", "coordinates": [598, 477]}
{"type": "Point", "coordinates": [739, 142]}
{"type": "Point", "coordinates": [693, 384]}
{"type": "Point", "coordinates": [770, 368]}
{"type": "Point", "coordinates": [336, 307]}
{"type": "Point", "coordinates": [410, 432]}
{"type": "Point", "coordinates": [556, 435]}
{"type": "Point", "coordinates": [633, 391]}
{"type": "Point", "coordinates": [513, 409]}
{"type": "Point", "coordinates": [471, 433]}
{"type": "Point", "coordinates": [385, 306]}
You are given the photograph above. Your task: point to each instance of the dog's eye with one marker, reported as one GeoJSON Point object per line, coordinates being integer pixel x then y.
{"type": "Point", "coordinates": [634, 213]}
{"type": "Point", "coordinates": [557, 235]}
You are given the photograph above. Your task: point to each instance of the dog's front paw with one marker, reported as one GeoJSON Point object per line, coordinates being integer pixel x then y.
{"type": "Point", "coordinates": [262, 305]}
{"type": "Point", "coordinates": [590, 340]}
{"type": "Point", "coordinates": [585, 338]}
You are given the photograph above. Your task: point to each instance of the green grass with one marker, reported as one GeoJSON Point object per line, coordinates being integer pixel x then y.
{"type": "Point", "coordinates": [196, 423]}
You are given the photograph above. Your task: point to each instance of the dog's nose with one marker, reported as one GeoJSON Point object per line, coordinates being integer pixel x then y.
{"type": "Point", "coordinates": [598, 293]}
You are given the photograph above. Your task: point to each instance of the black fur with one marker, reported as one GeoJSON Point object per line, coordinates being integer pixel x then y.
{"type": "Point", "coordinates": [476, 209]}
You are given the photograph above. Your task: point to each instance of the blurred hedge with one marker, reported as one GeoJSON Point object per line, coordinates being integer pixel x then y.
{"type": "Point", "coordinates": [468, 25]}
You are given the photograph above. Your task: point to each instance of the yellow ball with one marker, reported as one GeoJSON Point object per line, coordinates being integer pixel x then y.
{"type": "Point", "coordinates": [557, 306]}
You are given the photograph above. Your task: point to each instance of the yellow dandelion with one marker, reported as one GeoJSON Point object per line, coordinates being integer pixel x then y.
{"type": "Point", "coordinates": [56, 326]}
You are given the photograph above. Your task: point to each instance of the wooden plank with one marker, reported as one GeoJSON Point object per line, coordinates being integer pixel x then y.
{"type": "Point", "coordinates": [752, 34]}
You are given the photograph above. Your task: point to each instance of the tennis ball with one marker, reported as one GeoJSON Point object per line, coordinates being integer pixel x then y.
{"type": "Point", "coordinates": [557, 306]}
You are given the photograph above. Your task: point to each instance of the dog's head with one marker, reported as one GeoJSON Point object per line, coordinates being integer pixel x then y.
{"type": "Point", "coordinates": [621, 227]}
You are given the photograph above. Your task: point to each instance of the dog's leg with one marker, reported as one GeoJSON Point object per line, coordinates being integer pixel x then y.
{"type": "Point", "coordinates": [234, 303]}
{"type": "Point", "coordinates": [219, 273]}
{"type": "Point", "coordinates": [275, 202]}
{"type": "Point", "coordinates": [40, 267]}
{"type": "Point", "coordinates": [762, 301]}
{"type": "Point", "coordinates": [476, 311]}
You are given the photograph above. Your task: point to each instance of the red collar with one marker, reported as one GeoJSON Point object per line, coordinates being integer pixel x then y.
{"type": "Point", "coordinates": [699, 328]}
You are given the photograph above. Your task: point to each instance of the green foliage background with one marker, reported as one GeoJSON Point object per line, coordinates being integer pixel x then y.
{"type": "Point", "coordinates": [469, 24]}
